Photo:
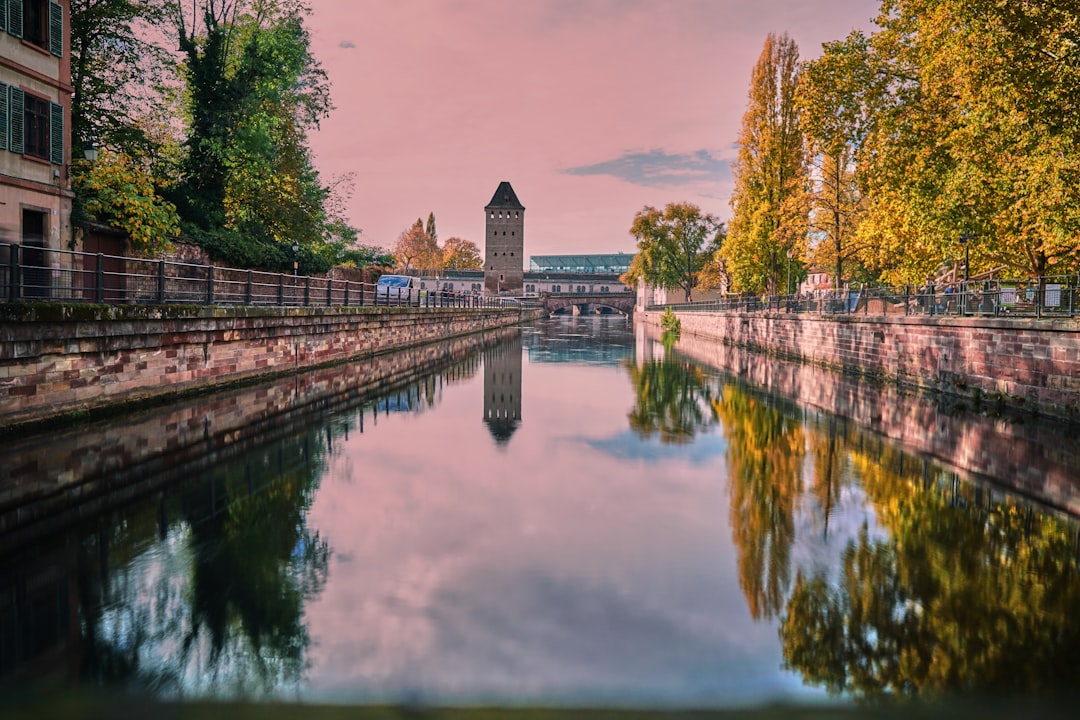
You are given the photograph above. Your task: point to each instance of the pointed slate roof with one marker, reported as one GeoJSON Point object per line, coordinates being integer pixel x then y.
{"type": "Point", "coordinates": [505, 198]}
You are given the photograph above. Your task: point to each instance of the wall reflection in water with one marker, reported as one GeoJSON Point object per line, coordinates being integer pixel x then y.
{"type": "Point", "coordinates": [955, 582]}
{"type": "Point", "coordinates": [192, 576]}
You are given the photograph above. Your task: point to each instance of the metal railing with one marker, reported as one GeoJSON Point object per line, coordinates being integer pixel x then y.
{"type": "Point", "coordinates": [1044, 297]}
{"type": "Point", "coordinates": [36, 274]}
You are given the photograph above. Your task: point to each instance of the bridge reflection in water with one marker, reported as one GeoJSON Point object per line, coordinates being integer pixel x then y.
{"type": "Point", "coordinates": [174, 552]}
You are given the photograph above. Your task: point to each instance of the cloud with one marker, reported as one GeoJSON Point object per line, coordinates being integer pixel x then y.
{"type": "Point", "coordinates": [658, 168]}
{"type": "Point", "coordinates": [346, 44]}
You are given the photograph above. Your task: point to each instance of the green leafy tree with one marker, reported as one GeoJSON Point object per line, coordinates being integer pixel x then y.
{"type": "Point", "coordinates": [673, 246]}
{"type": "Point", "coordinates": [430, 227]}
{"type": "Point", "coordinates": [118, 75]}
{"type": "Point", "coordinates": [461, 254]}
{"type": "Point", "coordinates": [770, 201]}
{"type": "Point", "coordinates": [254, 92]}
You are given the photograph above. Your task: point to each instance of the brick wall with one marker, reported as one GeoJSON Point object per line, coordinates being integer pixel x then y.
{"type": "Point", "coordinates": [1028, 363]}
{"type": "Point", "coordinates": [57, 359]}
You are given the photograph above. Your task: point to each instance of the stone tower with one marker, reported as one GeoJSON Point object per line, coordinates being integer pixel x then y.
{"type": "Point", "coordinates": [502, 389]}
{"type": "Point", "coordinates": [504, 243]}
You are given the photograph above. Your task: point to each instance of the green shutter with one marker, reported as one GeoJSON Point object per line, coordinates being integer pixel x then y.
{"type": "Point", "coordinates": [15, 24]}
{"type": "Point", "coordinates": [3, 116]}
{"type": "Point", "coordinates": [16, 121]}
{"type": "Point", "coordinates": [56, 29]}
{"type": "Point", "coordinates": [3, 14]}
{"type": "Point", "coordinates": [56, 133]}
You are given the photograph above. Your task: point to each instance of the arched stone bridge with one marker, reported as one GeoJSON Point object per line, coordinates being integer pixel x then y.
{"type": "Point", "coordinates": [590, 303]}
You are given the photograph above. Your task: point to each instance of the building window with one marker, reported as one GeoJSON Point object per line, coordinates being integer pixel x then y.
{"type": "Point", "coordinates": [36, 128]}
{"type": "Point", "coordinates": [36, 22]}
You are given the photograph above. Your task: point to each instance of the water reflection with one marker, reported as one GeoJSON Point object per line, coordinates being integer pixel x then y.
{"type": "Point", "coordinates": [950, 584]}
{"type": "Point", "coordinates": [654, 528]}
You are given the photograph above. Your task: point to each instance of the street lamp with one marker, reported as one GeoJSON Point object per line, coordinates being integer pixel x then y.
{"type": "Point", "coordinates": [964, 296]}
{"type": "Point", "coordinates": [790, 252]}
{"type": "Point", "coordinates": [295, 258]}
{"type": "Point", "coordinates": [964, 241]}
{"type": "Point", "coordinates": [90, 151]}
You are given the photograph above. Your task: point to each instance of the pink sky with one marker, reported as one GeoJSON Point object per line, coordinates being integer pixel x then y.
{"type": "Point", "coordinates": [590, 108]}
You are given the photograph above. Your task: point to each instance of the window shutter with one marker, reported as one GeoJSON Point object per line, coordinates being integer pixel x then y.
{"type": "Point", "coordinates": [56, 29]}
{"type": "Point", "coordinates": [3, 15]}
{"type": "Point", "coordinates": [16, 121]}
{"type": "Point", "coordinates": [3, 116]}
{"type": "Point", "coordinates": [56, 133]}
{"type": "Point", "coordinates": [15, 17]}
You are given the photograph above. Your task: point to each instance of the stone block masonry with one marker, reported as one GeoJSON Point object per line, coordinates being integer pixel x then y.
{"type": "Point", "coordinates": [1026, 363]}
{"type": "Point", "coordinates": [59, 360]}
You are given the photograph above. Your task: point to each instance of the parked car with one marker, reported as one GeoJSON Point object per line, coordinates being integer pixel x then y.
{"type": "Point", "coordinates": [392, 289]}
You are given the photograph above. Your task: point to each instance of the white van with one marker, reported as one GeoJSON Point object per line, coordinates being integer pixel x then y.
{"type": "Point", "coordinates": [396, 289]}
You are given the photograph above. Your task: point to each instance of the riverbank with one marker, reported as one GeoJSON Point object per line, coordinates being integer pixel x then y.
{"type": "Point", "coordinates": [1023, 364]}
{"type": "Point", "coordinates": [60, 361]}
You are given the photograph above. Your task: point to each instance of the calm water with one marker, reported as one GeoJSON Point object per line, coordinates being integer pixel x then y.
{"type": "Point", "coordinates": [566, 514]}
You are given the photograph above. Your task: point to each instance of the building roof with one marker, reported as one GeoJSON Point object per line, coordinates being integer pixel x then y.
{"type": "Point", "coordinates": [504, 197]}
{"type": "Point", "coordinates": [594, 263]}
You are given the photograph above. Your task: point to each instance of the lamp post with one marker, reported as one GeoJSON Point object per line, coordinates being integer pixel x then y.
{"type": "Point", "coordinates": [790, 252]}
{"type": "Point", "coordinates": [295, 258]}
{"type": "Point", "coordinates": [90, 151]}
{"type": "Point", "coordinates": [963, 299]}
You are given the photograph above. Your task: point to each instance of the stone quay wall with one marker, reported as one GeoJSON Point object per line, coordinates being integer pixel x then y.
{"type": "Point", "coordinates": [1024, 363]}
{"type": "Point", "coordinates": [59, 360]}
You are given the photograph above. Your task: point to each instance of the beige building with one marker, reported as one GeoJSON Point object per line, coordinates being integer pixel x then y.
{"type": "Point", "coordinates": [35, 157]}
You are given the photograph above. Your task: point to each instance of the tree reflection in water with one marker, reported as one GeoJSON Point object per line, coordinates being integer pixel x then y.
{"type": "Point", "coordinates": [232, 617]}
{"type": "Point", "coordinates": [672, 400]}
{"type": "Point", "coordinates": [968, 592]}
{"type": "Point", "coordinates": [764, 455]}
{"type": "Point", "coordinates": [957, 588]}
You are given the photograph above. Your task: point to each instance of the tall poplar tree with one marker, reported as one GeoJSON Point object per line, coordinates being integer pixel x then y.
{"type": "Point", "coordinates": [833, 109]}
{"type": "Point", "coordinates": [771, 176]}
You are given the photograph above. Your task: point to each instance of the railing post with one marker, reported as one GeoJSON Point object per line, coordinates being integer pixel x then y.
{"type": "Point", "coordinates": [361, 293]}
{"type": "Point", "coordinates": [15, 270]}
{"type": "Point", "coordinates": [248, 289]}
{"type": "Point", "coordinates": [307, 290]}
{"type": "Point", "coordinates": [347, 284]}
{"type": "Point", "coordinates": [907, 299]}
{"type": "Point", "coordinates": [329, 292]}
{"type": "Point", "coordinates": [99, 279]}
{"type": "Point", "coordinates": [161, 282]}
{"type": "Point", "coordinates": [209, 284]}
{"type": "Point", "coordinates": [281, 289]}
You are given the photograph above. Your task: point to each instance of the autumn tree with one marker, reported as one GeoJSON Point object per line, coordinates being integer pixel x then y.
{"type": "Point", "coordinates": [118, 191]}
{"type": "Point", "coordinates": [974, 133]}
{"type": "Point", "coordinates": [461, 254]}
{"type": "Point", "coordinates": [673, 246]}
{"type": "Point", "coordinates": [834, 119]}
{"type": "Point", "coordinates": [769, 203]}
{"type": "Point", "coordinates": [416, 250]}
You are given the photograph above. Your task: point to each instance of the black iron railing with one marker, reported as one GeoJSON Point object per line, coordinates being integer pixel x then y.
{"type": "Point", "coordinates": [36, 274]}
{"type": "Point", "coordinates": [1044, 297]}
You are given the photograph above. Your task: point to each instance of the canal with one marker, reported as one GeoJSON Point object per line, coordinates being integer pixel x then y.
{"type": "Point", "coordinates": [570, 513]}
